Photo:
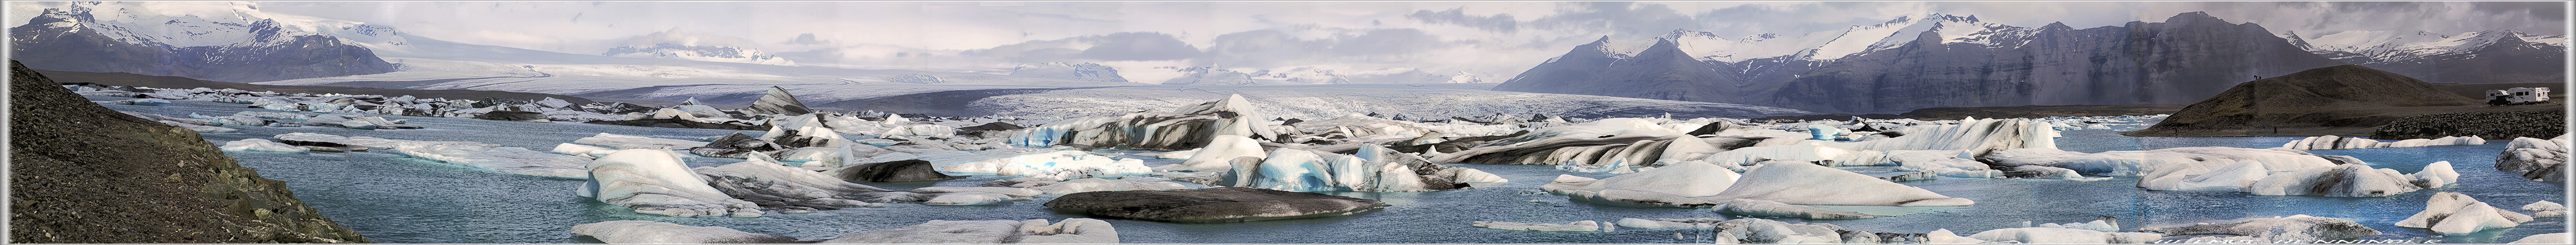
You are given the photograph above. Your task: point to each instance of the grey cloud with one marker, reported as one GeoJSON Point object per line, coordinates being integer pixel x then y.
{"type": "Point", "coordinates": [1503, 23]}
{"type": "Point", "coordinates": [1620, 19]}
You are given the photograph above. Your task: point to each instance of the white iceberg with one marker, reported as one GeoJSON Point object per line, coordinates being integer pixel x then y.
{"type": "Point", "coordinates": [2452, 213]}
{"type": "Point", "coordinates": [1677, 185]}
{"type": "Point", "coordinates": [2043, 235]}
{"type": "Point", "coordinates": [1586, 225]}
{"type": "Point", "coordinates": [1036, 231]}
{"type": "Point", "coordinates": [1084, 185]}
{"type": "Point", "coordinates": [255, 144]}
{"type": "Point", "coordinates": [2292, 228]}
{"type": "Point", "coordinates": [583, 151]}
{"type": "Point", "coordinates": [1171, 130]}
{"type": "Point", "coordinates": [638, 142]}
{"type": "Point", "coordinates": [657, 182]}
{"type": "Point", "coordinates": [651, 232]}
{"type": "Point", "coordinates": [1218, 156]}
{"type": "Point", "coordinates": [1371, 169]}
{"type": "Point", "coordinates": [1809, 184]}
{"type": "Point", "coordinates": [513, 160]}
{"type": "Point", "coordinates": [2348, 180]}
{"type": "Point", "coordinates": [1042, 163]}
{"type": "Point", "coordinates": [2535, 159]}
{"type": "Point", "coordinates": [2545, 209]}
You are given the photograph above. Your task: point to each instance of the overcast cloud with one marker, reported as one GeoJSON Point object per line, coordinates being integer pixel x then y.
{"type": "Point", "coordinates": [1492, 39]}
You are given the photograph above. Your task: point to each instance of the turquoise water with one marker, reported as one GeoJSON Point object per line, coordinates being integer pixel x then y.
{"type": "Point", "coordinates": [391, 198]}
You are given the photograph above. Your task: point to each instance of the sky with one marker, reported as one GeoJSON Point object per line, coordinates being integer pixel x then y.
{"type": "Point", "coordinates": [1490, 39]}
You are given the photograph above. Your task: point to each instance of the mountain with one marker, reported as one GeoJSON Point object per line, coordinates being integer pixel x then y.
{"type": "Point", "coordinates": [1061, 70]}
{"type": "Point", "coordinates": [1937, 60]}
{"type": "Point", "coordinates": [2337, 100]}
{"type": "Point", "coordinates": [220, 41]}
{"type": "Point", "coordinates": [698, 53]}
{"type": "Point", "coordinates": [1309, 75]}
{"type": "Point", "coordinates": [1310, 102]}
{"type": "Point", "coordinates": [2495, 56]}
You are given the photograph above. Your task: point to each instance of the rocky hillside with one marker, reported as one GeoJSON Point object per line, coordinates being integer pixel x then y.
{"type": "Point", "coordinates": [80, 173]}
{"type": "Point", "coordinates": [1953, 61]}
{"type": "Point", "coordinates": [2338, 100]}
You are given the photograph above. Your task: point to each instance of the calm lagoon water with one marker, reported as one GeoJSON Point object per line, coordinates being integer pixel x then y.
{"type": "Point", "coordinates": [392, 198]}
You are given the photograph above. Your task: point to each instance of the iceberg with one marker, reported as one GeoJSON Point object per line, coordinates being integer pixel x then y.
{"type": "Point", "coordinates": [1370, 169]}
{"type": "Point", "coordinates": [255, 144]}
{"type": "Point", "coordinates": [1809, 184]}
{"type": "Point", "coordinates": [895, 171]}
{"type": "Point", "coordinates": [1667, 223]}
{"type": "Point", "coordinates": [1763, 208]}
{"type": "Point", "coordinates": [584, 151]}
{"type": "Point", "coordinates": [2330, 142]}
{"type": "Point", "coordinates": [2452, 213]}
{"type": "Point", "coordinates": [2535, 159]}
{"type": "Point", "coordinates": [2294, 227]}
{"type": "Point", "coordinates": [1678, 185]}
{"type": "Point", "coordinates": [1212, 205]}
{"type": "Point", "coordinates": [777, 102]}
{"type": "Point", "coordinates": [2545, 209]}
{"type": "Point", "coordinates": [651, 232]}
{"type": "Point", "coordinates": [2348, 180]}
{"type": "Point", "coordinates": [638, 142]}
{"type": "Point", "coordinates": [1181, 128]}
{"type": "Point", "coordinates": [657, 182]}
{"type": "Point", "coordinates": [1218, 156]}
{"type": "Point", "coordinates": [1084, 185]}
{"type": "Point", "coordinates": [1586, 225]}
{"type": "Point", "coordinates": [1755, 230]}
{"type": "Point", "coordinates": [2044, 235]}
{"type": "Point", "coordinates": [1036, 231]}
{"type": "Point", "coordinates": [1042, 163]}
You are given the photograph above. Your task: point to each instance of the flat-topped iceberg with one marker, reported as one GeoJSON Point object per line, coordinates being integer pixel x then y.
{"type": "Point", "coordinates": [513, 160]}
{"type": "Point", "coordinates": [638, 142]}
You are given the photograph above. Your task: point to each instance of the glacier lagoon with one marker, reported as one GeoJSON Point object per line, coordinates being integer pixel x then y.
{"type": "Point", "coordinates": [393, 198]}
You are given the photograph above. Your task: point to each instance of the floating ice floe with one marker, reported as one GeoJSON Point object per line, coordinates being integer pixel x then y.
{"type": "Point", "coordinates": [513, 160]}
{"type": "Point", "coordinates": [1370, 168]}
{"type": "Point", "coordinates": [2044, 235]}
{"type": "Point", "coordinates": [652, 232]}
{"type": "Point", "coordinates": [255, 144]}
{"type": "Point", "coordinates": [1218, 156]}
{"type": "Point", "coordinates": [1755, 230]}
{"type": "Point", "coordinates": [1809, 184]}
{"type": "Point", "coordinates": [2351, 180]}
{"type": "Point", "coordinates": [1678, 185]}
{"type": "Point", "coordinates": [140, 102]}
{"type": "Point", "coordinates": [657, 182]}
{"type": "Point", "coordinates": [2535, 159]}
{"type": "Point", "coordinates": [1084, 185]}
{"type": "Point", "coordinates": [1035, 231]}
{"type": "Point", "coordinates": [796, 190]}
{"type": "Point", "coordinates": [2545, 209]}
{"type": "Point", "coordinates": [2452, 213]}
{"type": "Point", "coordinates": [2292, 228]}
{"type": "Point", "coordinates": [1586, 225]}
{"type": "Point", "coordinates": [1668, 223]}
{"type": "Point", "coordinates": [638, 142]}
{"type": "Point", "coordinates": [2331, 142]}
{"type": "Point", "coordinates": [1042, 163]}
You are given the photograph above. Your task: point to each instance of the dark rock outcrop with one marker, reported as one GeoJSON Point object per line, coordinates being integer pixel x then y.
{"type": "Point", "coordinates": [2345, 100]}
{"type": "Point", "coordinates": [1212, 205]}
{"type": "Point", "coordinates": [895, 171]}
{"type": "Point", "coordinates": [81, 173]}
{"type": "Point", "coordinates": [2491, 125]}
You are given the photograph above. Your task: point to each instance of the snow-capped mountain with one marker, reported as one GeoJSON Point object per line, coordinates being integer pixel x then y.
{"type": "Point", "coordinates": [1930, 60]}
{"type": "Point", "coordinates": [2495, 56]}
{"type": "Point", "coordinates": [1060, 70]}
{"type": "Point", "coordinates": [220, 41]}
{"type": "Point", "coordinates": [698, 53]}
{"type": "Point", "coordinates": [1464, 77]}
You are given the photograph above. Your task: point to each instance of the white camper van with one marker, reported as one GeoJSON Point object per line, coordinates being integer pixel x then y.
{"type": "Point", "coordinates": [2518, 96]}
